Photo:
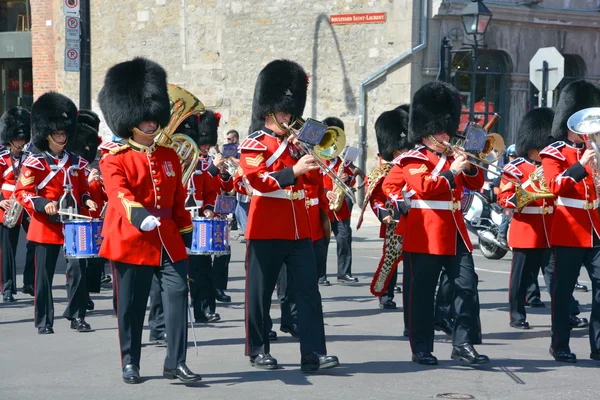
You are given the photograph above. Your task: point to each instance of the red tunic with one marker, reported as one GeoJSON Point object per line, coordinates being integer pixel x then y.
{"type": "Point", "coordinates": [142, 181]}
{"type": "Point", "coordinates": [316, 201]}
{"type": "Point", "coordinates": [8, 177]}
{"type": "Point", "coordinates": [435, 215]}
{"type": "Point", "coordinates": [530, 228]}
{"type": "Point", "coordinates": [36, 189]}
{"type": "Point", "coordinates": [202, 182]}
{"type": "Point", "coordinates": [344, 212]}
{"type": "Point", "coordinates": [576, 214]}
{"type": "Point", "coordinates": [278, 207]}
{"type": "Point", "coordinates": [98, 195]}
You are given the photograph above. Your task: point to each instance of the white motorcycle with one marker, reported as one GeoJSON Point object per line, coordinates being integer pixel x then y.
{"type": "Point", "coordinates": [483, 219]}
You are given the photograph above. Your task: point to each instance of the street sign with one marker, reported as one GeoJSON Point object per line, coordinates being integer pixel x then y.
{"type": "Point", "coordinates": [72, 28]}
{"type": "Point", "coordinates": [72, 56]}
{"type": "Point", "coordinates": [71, 8]}
{"type": "Point", "coordinates": [556, 67]}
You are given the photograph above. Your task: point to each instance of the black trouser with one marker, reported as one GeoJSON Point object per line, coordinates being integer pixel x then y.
{"type": "Point", "coordinates": [568, 264]}
{"type": "Point", "coordinates": [133, 284]}
{"type": "Point", "coordinates": [156, 315]}
{"type": "Point", "coordinates": [202, 285]}
{"type": "Point", "coordinates": [264, 259]}
{"type": "Point", "coordinates": [77, 291]}
{"type": "Point", "coordinates": [95, 271]}
{"type": "Point", "coordinates": [45, 265]}
{"type": "Point", "coordinates": [343, 237]}
{"type": "Point", "coordinates": [425, 271]}
{"type": "Point", "coordinates": [320, 250]}
{"type": "Point", "coordinates": [220, 271]}
{"type": "Point", "coordinates": [9, 238]}
{"type": "Point", "coordinates": [443, 299]}
{"type": "Point", "coordinates": [29, 270]}
{"type": "Point", "coordinates": [525, 267]}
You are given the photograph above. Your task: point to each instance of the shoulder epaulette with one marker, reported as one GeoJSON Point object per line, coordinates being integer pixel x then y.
{"type": "Point", "coordinates": [252, 143]}
{"type": "Point", "coordinates": [108, 146]}
{"type": "Point", "coordinates": [553, 150]}
{"type": "Point", "coordinates": [34, 161]}
{"type": "Point", "coordinates": [119, 149]}
{"type": "Point", "coordinates": [512, 168]}
{"type": "Point", "coordinates": [3, 154]}
{"type": "Point", "coordinates": [82, 163]}
{"type": "Point", "coordinates": [414, 153]}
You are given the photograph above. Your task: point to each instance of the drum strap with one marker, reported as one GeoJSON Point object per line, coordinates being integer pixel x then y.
{"type": "Point", "coordinates": [54, 169]}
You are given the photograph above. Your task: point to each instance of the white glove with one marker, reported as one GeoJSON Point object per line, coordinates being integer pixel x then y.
{"type": "Point", "coordinates": [149, 223]}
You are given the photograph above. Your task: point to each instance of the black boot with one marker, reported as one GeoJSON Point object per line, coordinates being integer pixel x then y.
{"type": "Point", "coordinates": [467, 353]}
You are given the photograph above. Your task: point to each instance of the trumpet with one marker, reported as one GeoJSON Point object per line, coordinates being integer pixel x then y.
{"type": "Point", "coordinates": [332, 144]}
{"type": "Point", "coordinates": [230, 165]}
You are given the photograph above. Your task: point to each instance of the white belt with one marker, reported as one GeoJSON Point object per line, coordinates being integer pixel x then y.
{"type": "Point", "coordinates": [537, 210]}
{"type": "Point", "coordinates": [8, 186]}
{"type": "Point", "coordinates": [577, 203]}
{"type": "Point", "coordinates": [281, 194]}
{"type": "Point", "coordinates": [312, 202]}
{"type": "Point", "coordinates": [435, 204]}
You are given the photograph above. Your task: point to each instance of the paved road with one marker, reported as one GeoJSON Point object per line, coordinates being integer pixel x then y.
{"type": "Point", "coordinates": [375, 357]}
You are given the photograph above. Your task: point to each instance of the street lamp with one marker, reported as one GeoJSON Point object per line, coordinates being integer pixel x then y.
{"type": "Point", "coordinates": [475, 18]}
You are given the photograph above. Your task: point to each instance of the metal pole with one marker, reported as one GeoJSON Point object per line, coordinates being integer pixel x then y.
{"type": "Point", "coordinates": [85, 74]}
{"type": "Point", "coordinates": [473, 72]}
{"type": "Point", "coordinates": [545, 84]}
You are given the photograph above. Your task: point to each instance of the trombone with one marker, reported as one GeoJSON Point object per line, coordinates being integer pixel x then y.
{"type": "Point", "coordinates": [331, 145]}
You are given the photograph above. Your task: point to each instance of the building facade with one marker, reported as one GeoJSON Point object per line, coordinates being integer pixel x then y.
{"type": "Point", "coordinates": [215, 49]}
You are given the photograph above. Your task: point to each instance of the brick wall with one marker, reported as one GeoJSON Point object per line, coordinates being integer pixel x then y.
{"type": "Point", "coordinates": [43, 47]}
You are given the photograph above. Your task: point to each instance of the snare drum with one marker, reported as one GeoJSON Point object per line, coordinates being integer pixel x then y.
{"type": "Point", "coordinates": [82, 238]}
{"type": "Point", "coordinates": [210, 236]}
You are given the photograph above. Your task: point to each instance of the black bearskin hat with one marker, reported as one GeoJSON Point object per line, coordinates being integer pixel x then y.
{"type": "Point", "coordinates": [435, 108]}
{"type": "Point", "coordinates": [207, 128]}
{"type": "Point", "coordinates": [85, 143]}
{"type": "Point", "coordinates": [534, 131]}
{"type": "Point", "coordinates": [89, 118]}
{"type": "Point", "coordinates": [391, 129]}
{"type": "Point", "coordinates": [189, 126]}
{"type": "Point", "coordinates": [134, 91]}
{"type": "Point", "coordinates": [280, 86]}
{"type": "Point", "coordinates": [52, 112]}
{"type": "Point", "coordinates": [15, 124]}
{"type": "Point", "coordinates": [334, 121]}
{"type": "Point", "coordinates": [574, 97]}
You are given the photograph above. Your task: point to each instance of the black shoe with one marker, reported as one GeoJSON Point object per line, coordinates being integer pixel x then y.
{"type": "Point", "coordinates": [263, 361]}
{"type": "Point", "coordinates": [406, 333]}
{"type": "Point", "coordinates": [595, 355]}
{"type": "Point", "coordinates": [272, 336]}
{"type": "Point", "coordinates": [522, 324]}
{"type": "Point", "coordinates": [106, 279]}
{"type": "Point", "coordinates": [576, 322]}
{"type": "Point", "coordinates": [90, 305]}
{"type": "Point", "coordinates": [208, 318]}
{"type": "Point", "coordinates": [158, 339]}
{"type": "Point", "coordinates": [563, 356]}
{"type": "Point", "coordinates": [293, 330]}
{"type": "Point", "coordinates": [131, 374]}
{"type": "Point", "coordinates": [8, 298]}
{"type": "Point", "coordinates": [79, 325]}
{"type": "Point", "coordinates": [45, 330]}
{"type": "Point", "coordinates": [580, 288]}
{"type": "Point", "coordinates": [28, 289]}
{"type": "Point", "coordinates": [347, 279]}
{"type": "Point", "coordinates": [424, 358]}
{"type": "Point", "coordinates": [397, 289]}
{"type": "Point", "coordinates": [324, 282]}
{"type": "Point", "coordinates": [312, 362]}
{"type": "Point", "coordinates": [444, 325]}
{"type": "Point", "coordinates": [221, 296]}
{"type": "Point", "coordinates": [182, 372]}
{"type": "Point", "coordinates": [388, 305]}
{"type": "Point", "coordinates": [535, 303]}
{"type": "Point", "coordinates": [467, 353]}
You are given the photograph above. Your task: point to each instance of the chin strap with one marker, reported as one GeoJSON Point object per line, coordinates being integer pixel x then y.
{"type": "Point", "coordinates": [62, 146]}
{"type": "Point", "coordinates": [142, 133]}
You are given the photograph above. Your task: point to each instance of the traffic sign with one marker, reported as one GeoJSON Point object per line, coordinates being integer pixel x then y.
{"type": "Point", "coordinates": [71, 8]}
{"type": "Point", "coordinates": [72, 56]}
{"type": "Point", "coordinates": [555, 68]}
{"type": "Point", "coordinates": [72, 28]}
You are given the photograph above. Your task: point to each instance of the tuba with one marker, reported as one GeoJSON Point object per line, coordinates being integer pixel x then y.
{"type": "Point", "coordinates": [586, 123]}
{"type": "Point", "coordinates": [183, 104]}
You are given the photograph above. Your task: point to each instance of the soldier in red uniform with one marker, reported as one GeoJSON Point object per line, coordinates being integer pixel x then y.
{"type": "Point", "coordinates": [15, 133]}
{"type": "Point", "coordinates": [340, 220]}
{"type": "Point", "coordinates": [43, 182]}
{"type": "Point", "coordinates": [575, 233]}
{"type": "Point", "coordinates": [146, 211]}
{"type": "Point", "coordinates": [438, 180]}
{"type": "Point", "coordinates": [278, 228]}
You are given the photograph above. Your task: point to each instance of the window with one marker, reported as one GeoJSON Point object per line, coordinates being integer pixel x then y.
{"type": "Point", "coordinates": [16, 84]}
{"type": "Point", "coordinates": [15, 16]}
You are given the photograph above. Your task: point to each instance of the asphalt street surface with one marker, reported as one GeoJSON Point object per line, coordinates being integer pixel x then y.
{"type": "Point", "coordinates": [375, 358]}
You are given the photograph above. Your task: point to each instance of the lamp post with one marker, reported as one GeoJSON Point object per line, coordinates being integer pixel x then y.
{"type": "Point", "coordinates": [475, 18]}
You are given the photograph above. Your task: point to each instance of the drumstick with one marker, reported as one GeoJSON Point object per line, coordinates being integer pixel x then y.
{"type": "Point", "coordinates": [75, 215]}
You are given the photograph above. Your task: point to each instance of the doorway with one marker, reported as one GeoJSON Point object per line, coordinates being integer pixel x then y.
{"type": "Point", "coordinates": [16, 83]}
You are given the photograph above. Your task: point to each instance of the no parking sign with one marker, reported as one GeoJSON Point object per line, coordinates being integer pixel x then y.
{"type": "Point", "coordinates": [72, 28]}
{"type": "Point", "coordinates": [71, 8]}
{"type": "Point", "coordinates": [72, 56]}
